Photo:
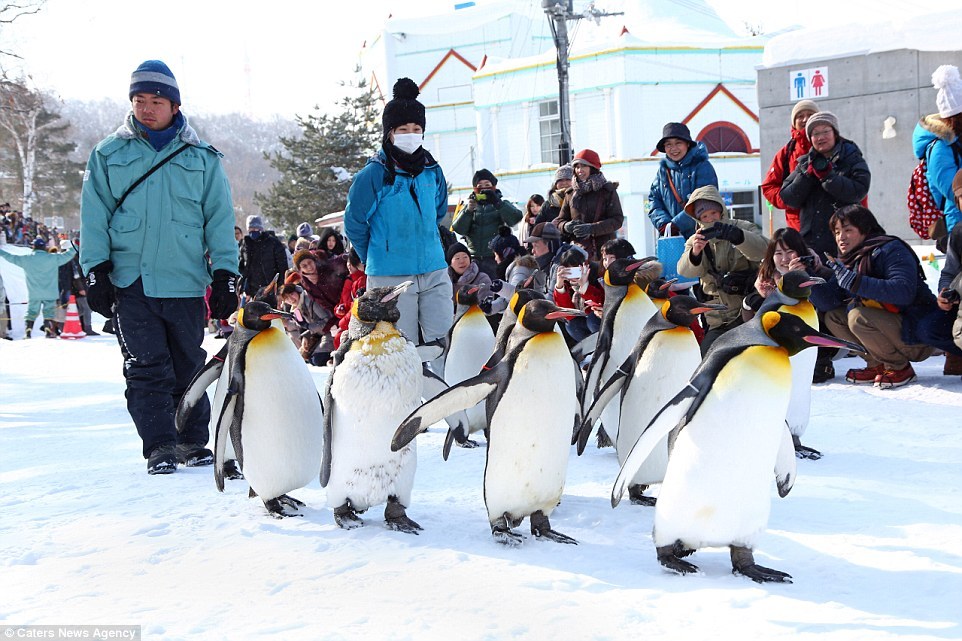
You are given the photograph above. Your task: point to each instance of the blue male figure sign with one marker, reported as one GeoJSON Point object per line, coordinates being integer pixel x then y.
{"type": "Point", "coordinates": [808, 83]}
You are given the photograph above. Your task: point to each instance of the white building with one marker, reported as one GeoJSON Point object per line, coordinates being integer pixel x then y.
{"type": "Point", "coordinates": [488, 80]}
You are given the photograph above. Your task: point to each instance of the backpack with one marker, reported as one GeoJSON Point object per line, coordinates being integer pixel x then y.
{"type": "Point", "coordinates": [924, 213]}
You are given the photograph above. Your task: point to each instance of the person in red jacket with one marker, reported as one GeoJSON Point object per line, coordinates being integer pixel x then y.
{"type": "Point", "coordinates": [354, 286]}
{"type": "Point", "coordinates": [785, 160]}
{"type": "Point", "coordinates": [577, 287]}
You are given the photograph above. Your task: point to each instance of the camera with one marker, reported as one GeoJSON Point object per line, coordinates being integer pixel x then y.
{"type": "Point", "coordinates": [710, 232]}
{"type": "Point", "coordinates": [820, 163]}
{"type": "Point", "coordinates": [808, 260]}
{"type": "Point", "coordinates": [573, 273]}
{"type": "Point", "coordinates": [951, 295]}
{"type": "Point", "coordinates": [480, 197]}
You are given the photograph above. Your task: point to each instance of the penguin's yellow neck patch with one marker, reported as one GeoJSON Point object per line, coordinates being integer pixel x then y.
{"type": "Point", "coordinates": [474, 310]}
{"type": "Point", "coordinates": [376, 342]}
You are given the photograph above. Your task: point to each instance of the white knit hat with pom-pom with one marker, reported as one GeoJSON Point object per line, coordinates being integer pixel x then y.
{"type": "Point", "coordinates": [949, 99]}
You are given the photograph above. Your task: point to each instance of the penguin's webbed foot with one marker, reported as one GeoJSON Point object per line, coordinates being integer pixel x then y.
{"type": "Point", "coordinates": [743, 563]}
{"type": "Point", "coordinates": [670, 557]}
{"type": "Point", "coordinates": [501, 531]}
{"type": "Point", "coordinates": [396, 518]}
{"type": "Point", "coordinates": [346, 518]}
{"type": "Point", "coordinates": [803, 452]}
{"type": "Point", "coordinates": [637, 496]}
{"type": "Point", "coordinates": [541, 528]}
{"type": "Point", "coordinates": [232, 471]}
{"type": "Point", "coordinates": [603, 439]}
{"type": "Point", "coordinates": [468, 444]}
{"type": "Point", "coordinates": [276, 506]}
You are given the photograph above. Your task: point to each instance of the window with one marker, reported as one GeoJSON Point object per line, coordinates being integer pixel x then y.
{"type": "Point", "coordinates": [550, 123]}
{"type": "Point", "coordinates": [724, 137]}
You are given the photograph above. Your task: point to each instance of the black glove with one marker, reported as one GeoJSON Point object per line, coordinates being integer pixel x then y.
{"type": "Point", "coordinates": [492, 197]}
{"type": "Point", "coordinates": [486, 303]}
{"type": "Point", "coordinates": [731, 233]}
{"type": "Point", "coordinates": [843, 275]}
{"type": "Point", "coordinates": [223, 294]}
{"type": "Point", "coordinates": [100, 291]}
{"type": "Point", "coordinates": [496, 285]}
{"type": "Point", "coordinates": [578, 230]}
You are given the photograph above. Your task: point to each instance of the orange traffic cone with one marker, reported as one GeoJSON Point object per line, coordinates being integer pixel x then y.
{"type": "Point", "coordinates": [72, 328]}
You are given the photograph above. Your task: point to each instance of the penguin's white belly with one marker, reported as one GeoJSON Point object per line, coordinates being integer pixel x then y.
{"type": "Point", "coordinates": [531, 432]}
{"type": "Point", "coordinates": [633, 315]}
{"type": "Point", "coordinates": [373, 393]}
{"type": "Point", "coordinates": [662, 372]}
{"type": "Point", "coordinates": [283, 425]}
{"type": "Point", "coordinates": [472, 343]}
{"type": "Point", "coordinates": [803, 366]}
{"type": "Point", "coordinates": [717, 488]}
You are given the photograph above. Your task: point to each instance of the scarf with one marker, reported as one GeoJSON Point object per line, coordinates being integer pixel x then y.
{"type": "Point", "coordinates": [411, 163]}
{"type": "Point", "coordinates": [159, 139]}
{"type": "Point", "coordinates": [859, 259]}
{"type": "Point", "coordinates": [594, 182]}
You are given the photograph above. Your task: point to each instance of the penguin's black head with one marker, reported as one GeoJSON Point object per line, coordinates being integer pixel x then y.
{"type": "Point", "coordinates": [379, 304]}
{"type": "Point", "coordinates": [683, 310]}
{"type": "Point", "coordinates": [467, 295]}
{"type": "Point", "coordinates": [622, 270]}
{"type": "Point", "coordinates": [798, 285]}
{"type": "Point", "coordinates": [659, 288]}
{"type": "Point", "coordinates": [522, 297]}
{"type": "Point", "coordinates": [257, 315]}
{"type": "Point", "coordinates": [540, 315]}
{"type": "Point", "coordinates": [794, 334]}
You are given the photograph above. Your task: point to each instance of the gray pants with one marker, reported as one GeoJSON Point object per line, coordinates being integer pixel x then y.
{"type": "Point", "coordinates": [879, 332]}
{"type": "Point", "coordinates": [427, 309]}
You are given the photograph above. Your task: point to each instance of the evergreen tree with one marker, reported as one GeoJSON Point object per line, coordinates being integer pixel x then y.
{"type": "Point", "coordinates": [317, 167]}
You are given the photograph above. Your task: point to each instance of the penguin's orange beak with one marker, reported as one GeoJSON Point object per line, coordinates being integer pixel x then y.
{"type": "Point", "coordinates": [706, 307]}
{"type": "Point", "coordinates": [275, 313]}
{"type": "Point", "coordinates": [564, 313]}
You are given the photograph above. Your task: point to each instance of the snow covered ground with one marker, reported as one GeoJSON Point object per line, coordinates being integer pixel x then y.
{"type": "Point", "coordinates": [872, 534]}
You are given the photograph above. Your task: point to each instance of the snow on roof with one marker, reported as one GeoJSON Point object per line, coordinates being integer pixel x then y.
{"type": "Point", "coordinates": [928, 32]}
{"type": "Point", "coordinates": [467, 19]}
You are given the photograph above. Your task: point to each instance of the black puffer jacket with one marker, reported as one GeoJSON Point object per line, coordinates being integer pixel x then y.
{"type": "Point", "coordinates": [846, 184]}
{"type": "Point", "coordinates": [261, 260]}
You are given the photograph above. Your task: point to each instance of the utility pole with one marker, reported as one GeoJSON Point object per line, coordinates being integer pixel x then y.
{"type": "Point", "coordinates": [559, 12]}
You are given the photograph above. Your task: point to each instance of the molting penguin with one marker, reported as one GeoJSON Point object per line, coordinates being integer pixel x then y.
{"type": "Point", "coordinates": [727, 435]}
{"type": "Point", "coordinates": [267, 407]}
{"type": "Point", "coordinates": [791, 295]}
{"type": "Point", "coordinates": [470, 343]}
{"type": "Point", "coordinates": [660, 365]}
{"type": "Point", "coordinates": [532, 409]}
{"type": "Point", "coordinates": [376, 382]}
{"type": "Point", "coordinates": [626, 310]}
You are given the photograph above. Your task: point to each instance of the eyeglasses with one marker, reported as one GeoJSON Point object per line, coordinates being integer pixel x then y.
{"type": "Point", "coordinates": [822, 132]}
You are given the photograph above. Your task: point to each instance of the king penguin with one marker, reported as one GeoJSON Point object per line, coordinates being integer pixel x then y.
{"type": "Point", "coordinates": [375, 383]}
{"type": "Point", "coordinates": [664, 358]}
{"type": "Point", "coordinates": [728, 433]}
{"type": "Point", "coordinates": [532, 407]}
{"type": "Point", "coordinates": [791, 295]}
{"type": "Point", "coordinates": [470, 344]}
{"type": "Point", "coordinates": [269, 409]}
{"type": "Point", "coordinates": [626, 310]}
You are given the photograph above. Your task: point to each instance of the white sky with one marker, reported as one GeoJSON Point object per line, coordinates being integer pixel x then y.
{"type": "Point", "coordinates": [287, 56]}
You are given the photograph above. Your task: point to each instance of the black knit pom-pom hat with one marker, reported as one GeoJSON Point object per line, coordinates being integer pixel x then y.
{"type": "Point", "coordinates": [404, 108]}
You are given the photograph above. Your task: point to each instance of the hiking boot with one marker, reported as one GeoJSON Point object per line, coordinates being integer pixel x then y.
{"type": "Point", "coordinates": [865, 375]}
{"type": "Point", "coordinates": [162, 460]}
{"type": "Point", "coordinates": [194, 455]}
{"type": "Point", "coordinates": [895, 377]}
{"type": "Point", "coordinates": [823, 372]}
{"type": "Point", "coordinates": [953, 365]}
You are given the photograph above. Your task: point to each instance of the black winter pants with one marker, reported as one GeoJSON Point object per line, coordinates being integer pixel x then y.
{"type": "Point", "coordinates": [161, 342]}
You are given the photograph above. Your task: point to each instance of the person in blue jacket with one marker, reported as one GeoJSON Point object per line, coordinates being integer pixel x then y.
{"type": "Point", "coordinates": [875, 294]}
{"type": "Point", "coordinates": [149, 258]}
{"type": "Point", "coordinates": [684, 169]}
{"type": "Point", "coordinates": [936, 138]}
{"type": "Point", "coordinates": [394, 207]}
{"type": "Point", "coordinates": [41, 270]}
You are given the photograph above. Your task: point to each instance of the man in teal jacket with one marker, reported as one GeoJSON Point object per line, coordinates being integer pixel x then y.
{"type": "Point", "coordinates": [149, 259]}
{"type": "Point", "coordinates": [394, 207]}
{"type": "Point", "coordinates": [41, 269]}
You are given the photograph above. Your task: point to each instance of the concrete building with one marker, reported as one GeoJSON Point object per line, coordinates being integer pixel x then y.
{"type": "Point", "coordinates": [874, 72]}
{"type": "Point", "coordinates": [488, 80]}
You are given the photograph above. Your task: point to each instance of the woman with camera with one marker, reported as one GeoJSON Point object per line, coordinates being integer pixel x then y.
{"type": "Point", "coordinates": [576, 287]}
{"type": "Point", "coordinates": [723, 254]}
{"type": "Point", "coordinates": [831, 175]}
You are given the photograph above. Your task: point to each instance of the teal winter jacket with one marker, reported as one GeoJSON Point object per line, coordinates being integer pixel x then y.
{"type": "Point", "coordinates": [168, 226]}
{"type": "Point", "coordinates": [41, 270]}
{"type": "Point", "coordinates": [394, 227]}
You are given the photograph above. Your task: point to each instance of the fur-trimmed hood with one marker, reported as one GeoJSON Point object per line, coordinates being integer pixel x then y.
{"type": "Point", "coordinates": [930, 128]}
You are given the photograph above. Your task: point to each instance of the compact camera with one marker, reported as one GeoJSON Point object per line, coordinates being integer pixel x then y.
{"type": "Point", "coordinates": [808, 260]}
{"type": "Point", "coordinates": [573, 273]}
{"type": "Point", "coordinates": [710, 232]}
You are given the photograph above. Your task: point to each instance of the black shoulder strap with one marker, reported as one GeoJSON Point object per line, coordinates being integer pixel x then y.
{"type": "Point", "coordinates": [146, 176]}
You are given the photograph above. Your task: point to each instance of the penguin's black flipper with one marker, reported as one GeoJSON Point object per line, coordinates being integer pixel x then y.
{"type": "Point", "coordinates": [221, 436]}
{"type": "Point", "coordinates": [457, 422]}
{"type": "Point", "coordinates": [203, 379]}
{"type": "Point", "coordinates": [585, 347]}
{"type": "Point", "coordinates": [611, 389]}
{"type": "Point", "coordinates": [465, 394]}
{"type": "Point", "coordinates": [328, 405]}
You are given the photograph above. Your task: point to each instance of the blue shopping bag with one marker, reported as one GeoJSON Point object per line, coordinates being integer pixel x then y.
{"type": "Point", "coordinates": [669, 251]}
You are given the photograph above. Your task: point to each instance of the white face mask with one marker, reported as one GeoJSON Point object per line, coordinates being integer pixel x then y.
{"type": "Point", "coordinates": [408, 143]}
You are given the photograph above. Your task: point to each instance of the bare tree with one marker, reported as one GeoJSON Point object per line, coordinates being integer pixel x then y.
{"type": "Point", "coordinates": [10, 11]}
